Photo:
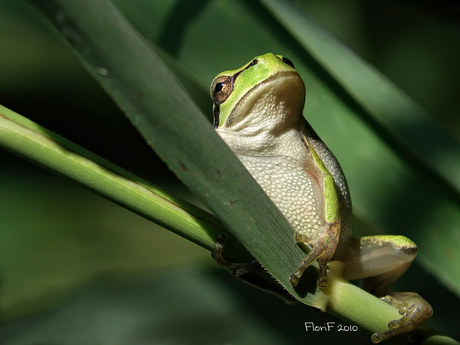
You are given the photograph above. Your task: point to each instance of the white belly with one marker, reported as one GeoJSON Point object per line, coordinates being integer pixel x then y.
{"type": "Point", "coordinates": [293, 190]}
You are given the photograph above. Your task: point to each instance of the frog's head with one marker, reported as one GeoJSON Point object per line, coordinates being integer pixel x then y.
{"type": "Point", "coordinates": [265, 94]}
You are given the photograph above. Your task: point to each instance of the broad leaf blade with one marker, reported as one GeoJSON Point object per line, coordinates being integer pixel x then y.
{"type": "Point", "coordinates": [128, 69]}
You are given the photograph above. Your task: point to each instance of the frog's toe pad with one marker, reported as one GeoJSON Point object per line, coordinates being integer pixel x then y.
{"type": "Point", "coordinates": [294, 279]}
{"type": "Point", "coordinates": [414, 310]}
{"type": "Point", "coordinates": [322, 282]}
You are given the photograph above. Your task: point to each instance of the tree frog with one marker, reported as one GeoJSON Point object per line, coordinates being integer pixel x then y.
{"type": "Point", "coordinates": [258, 113]}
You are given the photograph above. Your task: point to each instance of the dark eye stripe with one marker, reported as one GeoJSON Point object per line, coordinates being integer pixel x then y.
{"type": "Point", "coordinates": [216, 115]}
{"type": "Point", "coordinates": [253, 63]}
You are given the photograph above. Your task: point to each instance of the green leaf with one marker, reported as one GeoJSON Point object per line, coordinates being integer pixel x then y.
{"type": "Point", "coordinates": [135, 77]}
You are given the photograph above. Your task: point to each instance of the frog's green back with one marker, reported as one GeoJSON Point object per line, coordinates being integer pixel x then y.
{"type": "Point", "coordinates": [333, 166]}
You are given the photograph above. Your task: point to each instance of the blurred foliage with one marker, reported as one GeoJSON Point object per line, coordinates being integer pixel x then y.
{"type": "Point", "coordinates": [57, 236]}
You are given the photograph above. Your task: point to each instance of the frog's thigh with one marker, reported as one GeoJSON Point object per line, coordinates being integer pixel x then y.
{"type": "Point", "coordinates": [379, 259]}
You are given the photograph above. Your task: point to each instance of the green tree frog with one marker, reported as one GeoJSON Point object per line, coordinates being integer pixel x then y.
{"type": "Point", "coordinates": [258, 113]}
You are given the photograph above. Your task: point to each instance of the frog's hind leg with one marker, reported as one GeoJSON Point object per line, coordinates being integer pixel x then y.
{"type": "Point", "coordinates": [414, 310]}
{"type": "Point", "coordinates": [381, 260]}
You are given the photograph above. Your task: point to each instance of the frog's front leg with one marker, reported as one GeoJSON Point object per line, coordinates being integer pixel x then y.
{"type": "Point", "coordinates": [322, 248]}
{"type": "Point", "coordinates": [381, 260]}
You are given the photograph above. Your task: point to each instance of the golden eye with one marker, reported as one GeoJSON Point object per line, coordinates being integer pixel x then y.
{"type": "Point", "coordinates": [221, 88]}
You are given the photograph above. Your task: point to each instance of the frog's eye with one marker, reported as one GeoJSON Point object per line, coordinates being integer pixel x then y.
{"type": "Point", "coordinates": [288, 62]}
{"type": "Point", "coordinates": [221, 88]}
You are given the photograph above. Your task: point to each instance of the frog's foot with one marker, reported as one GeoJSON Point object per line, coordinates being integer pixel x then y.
{"type": "Point", "coordinates": [323, 249]}
{"type": "Point", "coordinates": [237, 269]}
{"type": "Point", "coordinates": [250, 272]}
{"type": "Point", "coordinates": [414, 310]}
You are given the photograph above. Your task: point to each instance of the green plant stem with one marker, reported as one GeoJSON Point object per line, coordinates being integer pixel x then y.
{"type": "Point", "coordinates": [41, 146]}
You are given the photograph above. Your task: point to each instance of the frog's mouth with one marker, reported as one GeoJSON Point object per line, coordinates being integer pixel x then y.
{"type": "Point", "coordinates": [270, 105]}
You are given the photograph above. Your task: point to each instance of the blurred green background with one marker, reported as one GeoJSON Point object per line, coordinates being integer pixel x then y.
{"type": "Point", "coordinates": [67, 256]}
